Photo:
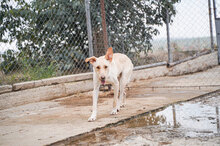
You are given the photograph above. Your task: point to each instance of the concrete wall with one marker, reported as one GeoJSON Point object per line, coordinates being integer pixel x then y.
{"type": "Point", "coordinates": [47, 89]}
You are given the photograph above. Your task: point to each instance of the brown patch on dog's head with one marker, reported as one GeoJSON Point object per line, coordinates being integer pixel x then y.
{"type": "Point", "coordinates": [91, 59]}
{"type": "Point", "coordinates": [109, 54]}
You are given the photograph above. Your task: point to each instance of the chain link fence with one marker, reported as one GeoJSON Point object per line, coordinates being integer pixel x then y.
{"type": "Point", "coordinates": [217, 8]}
{"type": "Point", "coordinates": [131, 26]}
{"type": "Point", "coordinates": [49, 38]}
{"type": "Point", "coordinates": [190, 33]}
{"type": "Point", "coordinates": [42, 39]}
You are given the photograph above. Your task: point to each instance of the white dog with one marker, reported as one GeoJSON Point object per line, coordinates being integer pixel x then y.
{"type": "Point", "coordinates": [115, 69]}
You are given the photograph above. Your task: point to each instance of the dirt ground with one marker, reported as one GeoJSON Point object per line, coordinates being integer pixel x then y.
{"type": "Point", "coordinates": [46, 122]}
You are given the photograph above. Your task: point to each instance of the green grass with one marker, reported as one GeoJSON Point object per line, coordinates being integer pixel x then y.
{"type": "Point", "coordinates": [28, 74]}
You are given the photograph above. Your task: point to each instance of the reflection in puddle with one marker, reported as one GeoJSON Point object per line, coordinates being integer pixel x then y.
{"type": "Point", "coordinates": [185, 120]}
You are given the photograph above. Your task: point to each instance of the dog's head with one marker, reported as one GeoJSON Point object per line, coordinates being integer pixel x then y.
{"type": "Point", "coordinates": [101, 65]}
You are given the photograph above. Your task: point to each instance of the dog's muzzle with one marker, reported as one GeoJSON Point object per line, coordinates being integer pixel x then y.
{"type": "Point", "coordinates": [103, 80]}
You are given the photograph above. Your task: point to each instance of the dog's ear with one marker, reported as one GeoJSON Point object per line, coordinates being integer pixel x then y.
{"type": "Point", "coordinates": [109, 54]}
{"type": "Point", "coordinates": [91, 59]}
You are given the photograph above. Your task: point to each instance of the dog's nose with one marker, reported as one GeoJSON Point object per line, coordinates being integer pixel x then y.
{"type": "Point", "coordinates": [102, 78]}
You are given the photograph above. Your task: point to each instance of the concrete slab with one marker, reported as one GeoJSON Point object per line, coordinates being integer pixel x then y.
{"type": "Point", "coordinates": [52, 81]}
{"type": "Point", "coordinates": [45, 122]}
{"type": "Point", "coordinates": [43, 93]}
{"type": "Point", "coordinates": [5, 88]}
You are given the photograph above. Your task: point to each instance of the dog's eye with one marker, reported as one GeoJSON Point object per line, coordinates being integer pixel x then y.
{"type": "Point", "coordinates": [105, 67]}
{"type": "Point", "coordinates": [98, 67]}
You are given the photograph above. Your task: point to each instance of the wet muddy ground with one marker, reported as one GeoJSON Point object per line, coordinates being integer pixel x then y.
{"type": "Point", "coordinates": [194, 122]}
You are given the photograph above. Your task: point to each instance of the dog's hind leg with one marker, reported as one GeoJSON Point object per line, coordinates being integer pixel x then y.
{"type": "Point", "coordinates": [124, 80]}
{"type": "Point", "coordinates": [124, 99]}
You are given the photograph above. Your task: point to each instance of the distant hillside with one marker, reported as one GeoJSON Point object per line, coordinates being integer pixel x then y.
{"type": "Point", "coordinates": [185, 44]}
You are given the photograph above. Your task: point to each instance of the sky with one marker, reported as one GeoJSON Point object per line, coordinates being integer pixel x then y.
{"type": "Point", "coordinates": [191, 21]}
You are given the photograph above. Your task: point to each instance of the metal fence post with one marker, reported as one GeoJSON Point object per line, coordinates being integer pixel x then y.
{"type": "Point", "coordinates": [214, 8]}
{"type": "Point", "coordinates": [105, 37]}
{"type": "Point", "coordinates": [89, 28]}
{"type": "Point", "coordinates": [217, 26]}
{"type": "Point", "coordinates": [170, 56]}
{"type": "Point", "coordinates": [210, 24]}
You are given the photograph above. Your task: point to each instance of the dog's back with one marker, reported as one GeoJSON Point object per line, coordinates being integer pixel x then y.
{"type": "Point", "coordinates": [123, 64]}
{"type": "Point", "coordinates": [122, 60]}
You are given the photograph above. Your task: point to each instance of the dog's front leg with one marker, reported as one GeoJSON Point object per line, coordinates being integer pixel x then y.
{"type": "Point", "coordinates": [116, 106]}
{"type": "Point", "coordinates": [95, 101]}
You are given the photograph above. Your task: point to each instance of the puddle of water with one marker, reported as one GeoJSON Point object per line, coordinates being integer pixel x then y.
{"type": "Point", "coordinates": [195, 120]}
{"type": "Point", "coordinates": [184, 120]}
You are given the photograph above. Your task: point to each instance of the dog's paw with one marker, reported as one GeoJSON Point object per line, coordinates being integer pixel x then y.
{"type": "Point", "coordinates": [114, 111]}
{"type": "Point", "coordinates": [92, 118]}
{"type": "Point", "coordinates": [122, 105]}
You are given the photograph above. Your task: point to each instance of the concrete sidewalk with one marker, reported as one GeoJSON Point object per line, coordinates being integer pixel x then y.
{"type": "Point", "coordinates": [46, 122]}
